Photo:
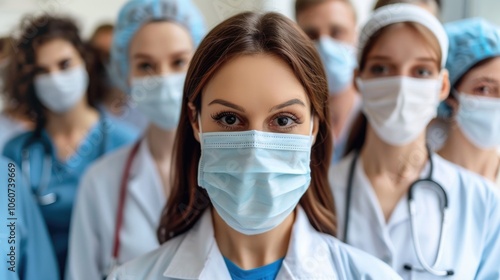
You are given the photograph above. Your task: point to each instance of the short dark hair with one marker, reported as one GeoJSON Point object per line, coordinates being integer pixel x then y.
{"type": "Point", "coordinates": [381, 3]}
{"type": "Point", "coordinates": [302, 5]}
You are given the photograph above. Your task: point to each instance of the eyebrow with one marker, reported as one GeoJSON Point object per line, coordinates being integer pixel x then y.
{"type": "Point", "coordinates": [176, 54]}
{"type": "Point", "coordinates": [381, 57]}
{"type": "Point", "coordinates": [486, 79]}
{"type": "Point", "coordinates": [227, 104]}
{"type": "Point", "coordinates": [288, 103]}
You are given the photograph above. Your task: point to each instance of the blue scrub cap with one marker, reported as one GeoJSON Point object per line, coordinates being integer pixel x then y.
{"type": "Point", "coordinates": [471, 41]}
{"type": "Point", "coordinates": [136, 13]}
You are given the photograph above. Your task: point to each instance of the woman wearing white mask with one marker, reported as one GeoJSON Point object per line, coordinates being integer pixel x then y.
{"type": "Point", "coordinates": [474, 66]}
{"type": "Point", "coordinates": [122, 196]}
{"type": "Point", "coordinates": [250, 197]}
{"type": "Point", "coordinates": [425, 217]}
{"type": "Point", "coordinates": [50, 77]}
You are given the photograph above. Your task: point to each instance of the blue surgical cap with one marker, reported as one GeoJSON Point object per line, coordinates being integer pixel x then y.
{"type": "Point", "coordinates": [134, 14]}
{"type": "Point", "coordinates": [471, 41]}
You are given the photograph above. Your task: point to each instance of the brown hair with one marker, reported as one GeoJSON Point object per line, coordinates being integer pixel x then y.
{"type": "Point", "coordinates": [22, 67]}
{"type": "Point", "coordinates": [103, 28]}
{"type": "Point", "coordinates": [381, 3]}
{"type": "Point", "coordinates": [356, 138]}
{"type": "Point", "coordinates": [249, 34]}
{"type": "Point", "coordinates": [302, 5]}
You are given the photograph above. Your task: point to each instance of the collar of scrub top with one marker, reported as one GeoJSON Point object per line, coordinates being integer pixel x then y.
{"type": "Point", "coordinates": [307, 256]}
{"type": "Point", "coordinates": [425, 267]}
{"type": "Point", "coordinates": [471, 41]}
{"type": "Point", "coordinates": [40, 137]}
{"type": "Point", "coordinates": [398, 13]}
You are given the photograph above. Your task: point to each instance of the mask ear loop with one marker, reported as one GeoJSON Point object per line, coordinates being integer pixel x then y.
{"type": "Point", "coordinates": [311, 129]}
{"type": "Point", "coordinates": [200, 132]}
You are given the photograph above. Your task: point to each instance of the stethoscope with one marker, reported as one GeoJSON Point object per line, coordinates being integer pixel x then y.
{"type": "Point", "coordinates": [42, 197]}
{"type": "Point", "coordinates": [121, 206]}
{"type": "Point", "coordinates": [412, 210]}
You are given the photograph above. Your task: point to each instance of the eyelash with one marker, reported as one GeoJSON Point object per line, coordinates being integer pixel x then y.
{"type": "Point", "coordinates": [219, 115]}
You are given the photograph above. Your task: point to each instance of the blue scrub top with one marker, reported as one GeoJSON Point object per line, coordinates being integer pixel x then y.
{"type": "Point", "coordinates": [106, 135]}
{"type": "Point", "coordinates": [26, 251]}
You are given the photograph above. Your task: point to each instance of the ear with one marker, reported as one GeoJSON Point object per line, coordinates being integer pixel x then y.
{"type": "Point", "coordinates": [445, 87]}
{"type": "Point", "coordinates": [315, 128]}
{"type": "Point", "coordinates": [356, 75]}
{"type": "Point", "coordinates": [193, 120]}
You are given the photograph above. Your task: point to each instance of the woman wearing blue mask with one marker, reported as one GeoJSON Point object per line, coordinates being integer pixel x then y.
{"type": "Point", "coordinates": [250, 196]}
{"type": "Point", "coordinates": [50, 77]}
{"type": "Point", "coordinates": [425, 217]}
{"type": "Point", "coordinates": [122, 196]}
{"type": "Point", "coordinates": [474, 65]}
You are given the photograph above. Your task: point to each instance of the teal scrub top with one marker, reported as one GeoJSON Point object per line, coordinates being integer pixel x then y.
{"type": "Point", "coordinates": [106, 136]}
{"type": "Point", "coordinates": [26, 251]}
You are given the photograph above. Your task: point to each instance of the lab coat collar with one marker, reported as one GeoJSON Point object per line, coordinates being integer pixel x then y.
{"type": "Point", "coordinates": [308, 255]}
{"type": "Point", "coordinates": [145, 185]}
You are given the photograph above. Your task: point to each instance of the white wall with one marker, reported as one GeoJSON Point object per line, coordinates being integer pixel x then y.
{"type": "Point", "coordinates": [91, 13]}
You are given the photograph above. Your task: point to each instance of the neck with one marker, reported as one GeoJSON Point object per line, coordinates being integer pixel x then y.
{"type": "Point", "coordinates": [160, 142]}
{"type": "Point", "coordinates": [80, 118]}
{"type": "Point", "coordinates": [459, 150]}
{"type": "Point", "coordinates": [341, 106]}
{"type": "Point", "coordinates": [252, 251]}
{"type": "Point", "coordinates": [404, 163]}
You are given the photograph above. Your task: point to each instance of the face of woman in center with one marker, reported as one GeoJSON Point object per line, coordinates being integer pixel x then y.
{"type": "Point", "coordinates": [255, 92]}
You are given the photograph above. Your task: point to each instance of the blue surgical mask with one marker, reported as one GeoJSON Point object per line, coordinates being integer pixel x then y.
{"type": "Point", "coordinates": [339, 60]}
{"type": "Point", "coordinates": [254, 179]}
{"type": "Point", "coordinates": [159, 98]}
{"type": "Point", "coordinates": [478, 118]}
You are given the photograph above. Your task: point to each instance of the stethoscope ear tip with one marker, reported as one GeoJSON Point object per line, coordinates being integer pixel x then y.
{"type": "Point", "coordinates": [47, 199]}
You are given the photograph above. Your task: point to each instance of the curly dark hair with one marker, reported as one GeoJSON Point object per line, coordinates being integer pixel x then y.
{"type": "Point", "coordinates": [35, 32]}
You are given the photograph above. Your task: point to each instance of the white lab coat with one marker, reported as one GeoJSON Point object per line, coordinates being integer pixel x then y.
{"type": "Point", "coordinates": [471, 245]}
{"type": "Point", "coordinates": [94, 216]}
{"type": "Point", "coordinates": [311, 255]}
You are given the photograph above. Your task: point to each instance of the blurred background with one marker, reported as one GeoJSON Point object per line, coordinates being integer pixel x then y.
{"type": "Point", "coordinates": [92, 13]}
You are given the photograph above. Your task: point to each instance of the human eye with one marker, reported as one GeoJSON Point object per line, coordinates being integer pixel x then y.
{"type": "Point", "coordinates": [145, 67]}
{"type": "Point", "coordinates": [379, 70]}
{"type": "Point", "coordinates": [227, 120]}
{"type": "Point", "coordinates": [423, 72]}
{"type": "Point", "coordinates": [284, 122]}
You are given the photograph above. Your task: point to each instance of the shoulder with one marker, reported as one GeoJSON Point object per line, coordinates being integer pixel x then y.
{"type": "Point", "coordinates": [353, 263]}
{"type": "Point", "coordinates": [120, 133]}
{"type": "Point", "coordinates": [151, 265]}
{"type": "Point", "coordinates": [106, 168]}
{"type": "Point", "coordinates": [13, 147]}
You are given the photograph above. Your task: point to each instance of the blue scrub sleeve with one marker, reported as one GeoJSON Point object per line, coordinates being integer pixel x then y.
{"type": "Point", "coordinates": [25, 231]}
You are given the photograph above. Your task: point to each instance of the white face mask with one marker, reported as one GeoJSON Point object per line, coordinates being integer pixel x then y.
{"type": "Point", "coordinates": [478, 118]}
{"type": "Point", "coordinates": [159, 98]}
{"type": "Point", "coordinates": [399, 108]}
{"type": "Point", "coordinates": [61, 91]}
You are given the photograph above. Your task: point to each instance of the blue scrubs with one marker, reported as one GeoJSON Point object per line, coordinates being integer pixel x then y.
{"type": "Point", "coordinates": [107, 135]}
{"type": "Point", "coordinates": [267, 272]}
{"type": "Point", "coordinates": [25, 248]}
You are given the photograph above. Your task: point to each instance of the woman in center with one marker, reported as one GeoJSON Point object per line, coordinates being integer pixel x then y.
{"type": "Point", "coordinates": [250, 197]}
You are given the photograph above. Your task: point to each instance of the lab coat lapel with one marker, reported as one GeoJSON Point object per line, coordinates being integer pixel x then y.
{"type": "Point", "coordinates": [198, 256]}
{"type": "Point", "coordinates": [145, 186]}
{"type": "Point", "coordinates": [308, 255]}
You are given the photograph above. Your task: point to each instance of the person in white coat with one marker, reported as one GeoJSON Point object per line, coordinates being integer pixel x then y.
{"type": "Point", "coordinates": [121, 197]}
{"type": "Point", "coordinates": [474, 65]}
{"type": "Point", "coordinates": [425, 217]}
{"type": "Point", "coordinates": [250, 197]}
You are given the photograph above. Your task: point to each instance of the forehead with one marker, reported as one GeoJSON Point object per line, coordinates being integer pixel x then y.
{"type": "Point", "coordinates": [161, 37]}
{"type": "Point", "coordinates": [489, 69]}
{"type": "Point", "coordinates": [53, 51]}
{"type": "Point", "coordinates": [402, 42]}
{"type": "Point", "coordinates": [329, 12]}
{"type": "Point", "coordinates": [255, 80]}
